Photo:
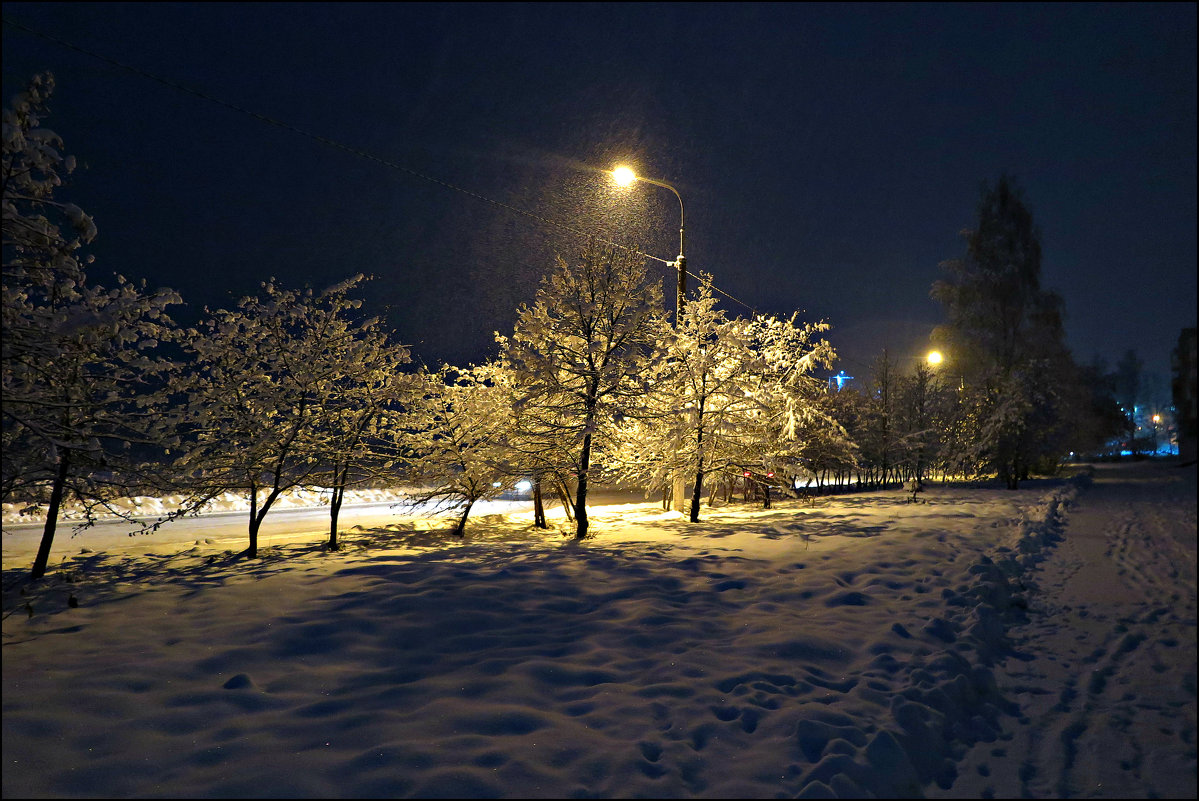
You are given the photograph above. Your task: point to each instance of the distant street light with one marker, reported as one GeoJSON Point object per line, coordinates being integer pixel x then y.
{"type": "Point", "coordinates": [624, 176]}
{"type": "Point", "coordinates": [935, 358]}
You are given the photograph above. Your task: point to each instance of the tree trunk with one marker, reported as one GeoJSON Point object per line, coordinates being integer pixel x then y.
{"type": "Point", "coordinates": [697, 490]}
{"type": "Point", "coordinates": [339, 494]}
{"type": "Point", "coordinates": [538, 505]}
{"type": "Point", "coordinates": [255, 522]}
{"type": "Point", "coordinates": [252, 550]}
{"type": "Point", "coordinates": [256, 517]}
{"type": "Point", "coordinates": [460, 531]}
{"type": "Point", "coordinates": [581, 490]}
{"type": "Point", "coordinates": [56, 493]}
{"type": "Point", "coordinates": [564, 499]}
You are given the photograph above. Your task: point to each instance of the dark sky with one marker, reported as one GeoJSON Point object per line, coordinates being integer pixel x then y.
{"type": "Point", "coordinates": [827, 155]}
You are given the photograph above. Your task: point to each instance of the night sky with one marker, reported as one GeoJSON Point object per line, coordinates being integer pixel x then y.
{"type": "Point", "coordinates": [827, 155]}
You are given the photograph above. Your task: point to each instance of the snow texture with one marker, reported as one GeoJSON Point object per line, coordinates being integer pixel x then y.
{"type": "Point", "coordinates": [977, 642]}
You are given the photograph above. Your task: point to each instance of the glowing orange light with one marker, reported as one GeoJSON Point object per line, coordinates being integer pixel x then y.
{"type": "Point", "coordinates": [623, 176]}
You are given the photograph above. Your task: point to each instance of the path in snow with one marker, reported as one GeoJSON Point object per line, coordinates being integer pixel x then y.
{"type": "Point", "coordinates": [1104, 671]}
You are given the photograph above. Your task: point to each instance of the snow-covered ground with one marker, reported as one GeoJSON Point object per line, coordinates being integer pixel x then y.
{"type": "Point", "coordinates": [983, 642]}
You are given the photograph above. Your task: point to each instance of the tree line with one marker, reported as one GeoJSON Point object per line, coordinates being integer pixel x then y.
{"type": "Point", "coordinates": [106, 396]}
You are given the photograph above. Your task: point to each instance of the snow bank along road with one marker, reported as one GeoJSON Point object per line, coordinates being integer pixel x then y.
{"type": "Point", "coordinates": [225, 526]}
{"type": "Point", "coordinates": [1104, 669]}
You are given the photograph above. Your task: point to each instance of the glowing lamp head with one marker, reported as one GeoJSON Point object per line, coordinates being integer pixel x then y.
{"type": "Point", "coordinates": [1157, 418]}
{"type": "Point", "coordinates": [935, 357]}
{"type": "Point", "coordinates": [623, 176]}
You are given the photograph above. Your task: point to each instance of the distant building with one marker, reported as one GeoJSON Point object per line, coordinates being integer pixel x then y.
{"type": "Point", "coordinates": [1184, 380]}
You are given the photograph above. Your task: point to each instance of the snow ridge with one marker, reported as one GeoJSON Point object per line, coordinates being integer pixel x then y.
{"type": "Point", "coordinates": [1042, 525]}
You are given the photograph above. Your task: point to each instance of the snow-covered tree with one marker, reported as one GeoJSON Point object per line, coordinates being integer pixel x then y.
{"type": "Point", "coordinates": [360, 393]}
{"type": "Point", "coordinates": [919, 405]}
{"type": "Point", "coordinates": [1005, 333]}
{"type": "Point", "coordinates": [456, 427]}
{"type": "Point", "coordinates": [84, 414]}
{"type": "Point", "coordinates": [879, 435]}
{"type": "Point", "coordinates": [581, 356]}
{"type": "Point", "coordinates": [851, 409]}
{"type": "Point", "coordinates": [82, 373]}
{"type": "Point", "coordinates": [1093, 408]}
{"type": "Point", "coordinates": [699, 416]}
{"type": "Point", "coordinates": [736, 402]}
{"type": "Point", "coordinates": [796, 423]}
{"type": "Point", "coordinates": [42, 235]}
{"type": "Point", "coordinates": [270, 403]}
{"type": "Point", "coordinates": [824, 450]}
{"type": "Point", "coordinates": [530, 454]}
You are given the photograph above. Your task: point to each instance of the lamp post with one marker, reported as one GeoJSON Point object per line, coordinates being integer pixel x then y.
{"type": "Point", "coordinates": [624, 176]}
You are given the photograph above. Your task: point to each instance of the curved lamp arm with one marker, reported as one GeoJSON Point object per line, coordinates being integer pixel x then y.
{"type": "Point", "coordinates": [625, 176]}
{"type": "Point", "coordinates": [676, 194]}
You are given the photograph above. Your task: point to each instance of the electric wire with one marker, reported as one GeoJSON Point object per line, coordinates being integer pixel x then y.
{"type": "Point", "coordinates": [348, 149]}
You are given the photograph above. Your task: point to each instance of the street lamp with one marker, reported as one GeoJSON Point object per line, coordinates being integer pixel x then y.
{"type": "Point", "coordinates": [624, 176]}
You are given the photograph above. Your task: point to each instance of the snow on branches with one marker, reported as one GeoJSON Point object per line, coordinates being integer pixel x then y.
{"type": "Point", "coordinates": [82, 365]}
{"type": "Point", "coordinates": [582, 356]}
{"type": "Point", "coordinates": [457, 426]}
{"type": "Point", "coordinates": [286, 390]}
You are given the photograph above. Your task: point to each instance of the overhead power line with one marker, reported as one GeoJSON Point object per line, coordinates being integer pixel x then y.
{"type": "Point", "coordinates": [343, 147]}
